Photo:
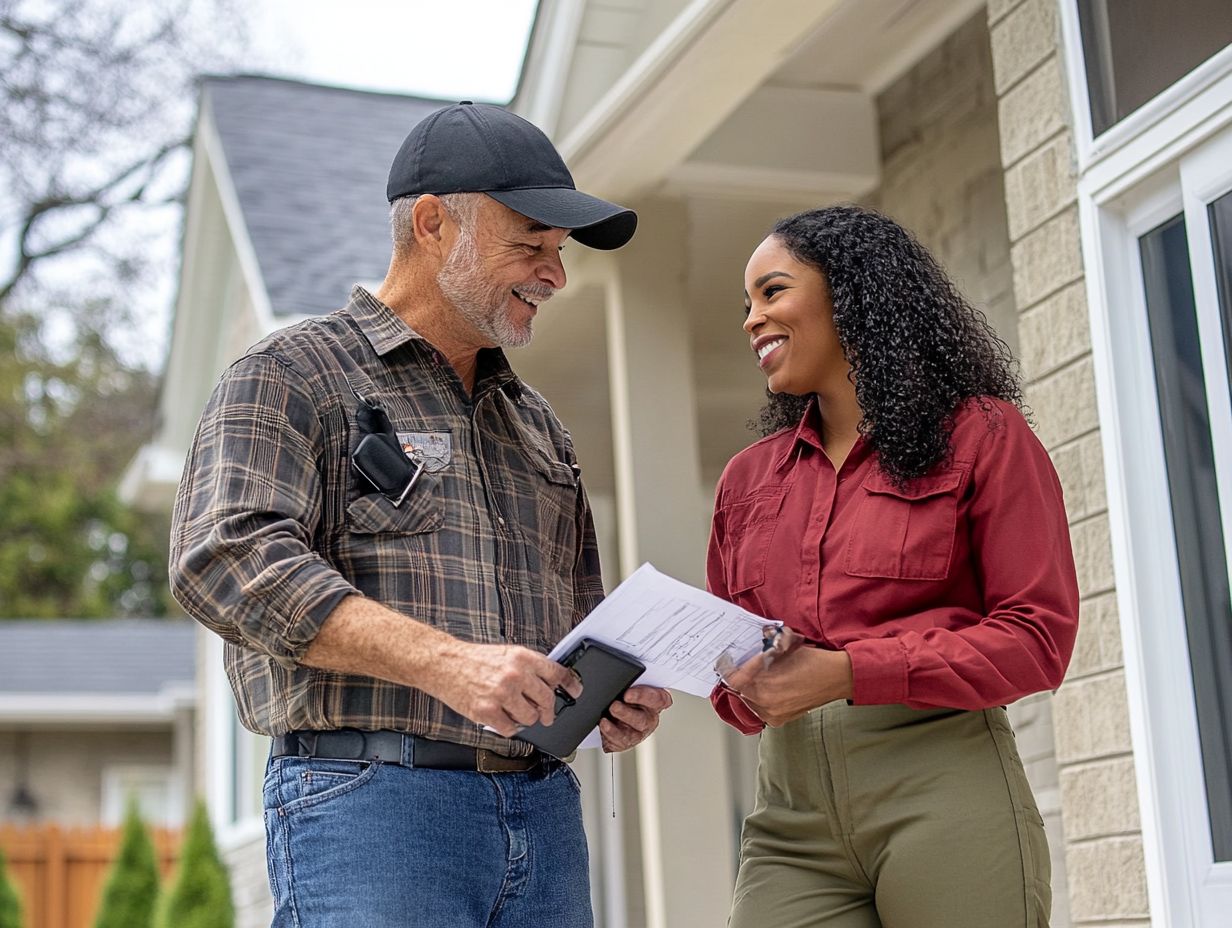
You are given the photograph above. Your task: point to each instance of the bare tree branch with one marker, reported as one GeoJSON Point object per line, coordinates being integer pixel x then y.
{"type": "Point", "coordinates": [97, 98]}
{"type": "Point", "coordinates": [96, 197]}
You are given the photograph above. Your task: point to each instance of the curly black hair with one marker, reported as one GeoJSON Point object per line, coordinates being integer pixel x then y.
{"type": "Point", "coordinates": [917, 348]}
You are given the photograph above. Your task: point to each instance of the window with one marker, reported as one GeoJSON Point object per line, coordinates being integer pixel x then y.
{"type": "Point", "coordinates": [1156, 221]}
{"type": "Point", "coordinates": [1135, 49]}
{"type": "Point", "coordinates": [1193, 488]}
{"type": "Point", "coordinates": [1221, 245]}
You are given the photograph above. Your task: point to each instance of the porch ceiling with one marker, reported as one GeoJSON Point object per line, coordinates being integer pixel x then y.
{"type": "Point", "coordinates": [865, 44]}
{"type": "Point", "coordinates": [680, 112]}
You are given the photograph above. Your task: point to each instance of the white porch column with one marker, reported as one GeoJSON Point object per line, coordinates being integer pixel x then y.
{"type": "Point", "coordinates": [687, 839]}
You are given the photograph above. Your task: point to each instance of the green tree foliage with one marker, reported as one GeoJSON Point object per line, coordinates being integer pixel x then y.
{"type": "Point", "coordinates": [131, 891]}
{"type": "Point", "coordinates": [200, 896]}
{"type": "Point", "coordinates": [10, 904]}
{"type": "Point", "coordinates": [70, 421]}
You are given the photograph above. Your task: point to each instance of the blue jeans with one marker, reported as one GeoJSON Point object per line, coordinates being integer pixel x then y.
{"type": "Point", "coordinates": [356, 844]}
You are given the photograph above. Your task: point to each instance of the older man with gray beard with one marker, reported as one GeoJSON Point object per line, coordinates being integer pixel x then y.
{"type": "Point", "coordinates": [388, 529]}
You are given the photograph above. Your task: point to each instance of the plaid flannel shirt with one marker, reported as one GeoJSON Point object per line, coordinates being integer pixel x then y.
{"type": "Point", "coordinates": [272, 528]}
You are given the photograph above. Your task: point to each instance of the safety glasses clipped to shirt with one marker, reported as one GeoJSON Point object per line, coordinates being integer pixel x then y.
{"type": "Point", "coordinates": [379, 457]}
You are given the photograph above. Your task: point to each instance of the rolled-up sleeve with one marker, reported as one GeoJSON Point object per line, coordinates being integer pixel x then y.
{"type": "Point", "coordinates": [248, 505]}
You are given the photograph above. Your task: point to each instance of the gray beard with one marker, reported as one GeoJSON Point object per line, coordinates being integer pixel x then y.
{"type": "Point", "coordinates": [481, 303]}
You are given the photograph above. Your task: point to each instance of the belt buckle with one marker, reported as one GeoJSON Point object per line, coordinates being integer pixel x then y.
{"type": "Point", "coordinates": [490, 762]}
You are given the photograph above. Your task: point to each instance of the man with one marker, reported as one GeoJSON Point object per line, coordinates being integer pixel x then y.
{"type": "Point", "coordinates": [387, 614]}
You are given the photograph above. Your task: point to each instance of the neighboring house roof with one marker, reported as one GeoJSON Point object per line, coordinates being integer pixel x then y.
{"type": "Point", "coordinates": [299, 152]}
{"type": "Point", "coordinates": [137, 670]}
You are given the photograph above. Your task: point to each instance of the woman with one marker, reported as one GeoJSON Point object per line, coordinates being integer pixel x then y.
{"type": "Point", "coordinates": [901, 518]}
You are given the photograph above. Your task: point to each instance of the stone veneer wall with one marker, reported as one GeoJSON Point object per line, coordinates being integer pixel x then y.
{"type": "Point", "coordinates": [941, 171]}
{"type": "Point", "coordinates": [942, 178]}
{"type": "Point", "coordinates": [1103, 841]}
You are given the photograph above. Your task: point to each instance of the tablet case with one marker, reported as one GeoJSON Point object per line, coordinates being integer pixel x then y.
{"type": "Point", "coordinates": [606, 673]}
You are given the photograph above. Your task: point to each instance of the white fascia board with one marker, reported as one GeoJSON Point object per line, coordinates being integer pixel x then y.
{"type": "Point", "coordinates": [95, 708]}
{"type": "Point", "coordinates": [244, 251]}
{"type": "Point", "coordinates": [545, 70]}
{"type": "Point", "coordinates": [137, 486]}
{"type": "Point", "coordinates": [691, 78]}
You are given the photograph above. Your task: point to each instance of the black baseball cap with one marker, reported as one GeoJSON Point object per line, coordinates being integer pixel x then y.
{"type": "Point", "coordinates": [480, 148]}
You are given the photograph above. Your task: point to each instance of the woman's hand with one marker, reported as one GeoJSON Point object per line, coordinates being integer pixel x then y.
{"type": "Point", "coordinates": [794, 682]}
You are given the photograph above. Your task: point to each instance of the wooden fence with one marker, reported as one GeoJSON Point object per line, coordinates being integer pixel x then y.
{"type": "Point", "coordinates": [60, 872]}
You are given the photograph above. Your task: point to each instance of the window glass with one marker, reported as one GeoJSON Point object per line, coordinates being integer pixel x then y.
{"type": "Point", "coordinates": [1221, 239]}
{"type": "Point", "coordinates": [1134, 49]}
{"type": "Point", "coordinates": [1197, 525]}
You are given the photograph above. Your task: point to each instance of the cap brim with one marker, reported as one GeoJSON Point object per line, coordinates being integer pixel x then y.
{"type": "Point", "coordinates": [595, 223]}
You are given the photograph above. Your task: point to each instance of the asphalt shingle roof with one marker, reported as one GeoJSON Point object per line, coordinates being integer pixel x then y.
{"type": "Point", "coordinates": [104, 656]}
{"type": "Point", "coordinates": [309, 165]}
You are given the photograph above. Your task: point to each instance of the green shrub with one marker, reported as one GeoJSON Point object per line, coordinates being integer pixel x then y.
{"type": "Point", "coordinates": [200, 895]}
{"type": "Point", "coordinates": [10, 904]}
{"type": "Point", "coordinates": [131, 891]}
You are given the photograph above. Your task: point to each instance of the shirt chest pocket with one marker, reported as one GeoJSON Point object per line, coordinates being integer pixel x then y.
{"type": "Point", "coordinates": [906, 532]}
{"type": "Point", "coordinates": [749, 526]}
{"type": "Point", "coordinates": [422, 511]}
{"type": "Point", "coordinates": [548, 509]}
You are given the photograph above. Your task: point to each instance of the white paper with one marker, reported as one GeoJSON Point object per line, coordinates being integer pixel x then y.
{"type": "Point", "coordinates": [676, 630]}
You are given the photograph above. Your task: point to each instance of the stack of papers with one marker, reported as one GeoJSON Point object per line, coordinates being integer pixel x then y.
{"type": "Point", "coordinates": [676, 630]}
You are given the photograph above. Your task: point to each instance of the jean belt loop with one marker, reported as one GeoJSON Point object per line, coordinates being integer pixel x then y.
{"type": "Point", "coordinates": [408, 750]}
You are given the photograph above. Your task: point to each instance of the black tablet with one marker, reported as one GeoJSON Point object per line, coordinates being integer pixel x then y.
{"type": "Point", "coordinates": [606, 673]}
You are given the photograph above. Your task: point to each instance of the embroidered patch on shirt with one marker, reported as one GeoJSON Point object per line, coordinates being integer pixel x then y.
{"type": "Point", "coordinates": [435, 449]}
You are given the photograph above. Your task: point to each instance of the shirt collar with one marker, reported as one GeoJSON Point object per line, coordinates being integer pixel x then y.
{"type": "Point", "coordinates": [380, 325]}
{"type": "Point", "coordinates": [808, 432]}
{"type": "Point", "coordinates": [385, 331]}
{"type": "Point", "coordinates": [492, 372]}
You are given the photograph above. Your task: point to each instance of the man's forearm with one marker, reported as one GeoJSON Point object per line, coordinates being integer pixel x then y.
{"type": "Point", "coordinates": [363, 637]}
{"type": "Point", "coordinates": [504, 686]}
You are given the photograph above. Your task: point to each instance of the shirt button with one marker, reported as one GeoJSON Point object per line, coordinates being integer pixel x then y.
{"type": "Point", "coordinates": [501, 521]}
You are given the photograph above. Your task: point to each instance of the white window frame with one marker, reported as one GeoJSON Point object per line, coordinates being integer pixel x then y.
{"type": "Point", "coordinates": [1168, 157]}
{"type": "Point", "coordinates": [1158, 110]}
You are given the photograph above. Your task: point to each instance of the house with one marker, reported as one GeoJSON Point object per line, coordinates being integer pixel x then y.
{"type": "Point", "coordinates": [93, 712]}
{"type": "Point", "coordinates": [1069, 162]}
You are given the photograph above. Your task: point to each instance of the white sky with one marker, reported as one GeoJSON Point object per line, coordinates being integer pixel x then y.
{"type": "Point", "coordinates": [451, 49]}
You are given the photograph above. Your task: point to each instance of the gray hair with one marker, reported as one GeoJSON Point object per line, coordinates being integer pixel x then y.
{"type": "Point", "coordinates": [462, 208]}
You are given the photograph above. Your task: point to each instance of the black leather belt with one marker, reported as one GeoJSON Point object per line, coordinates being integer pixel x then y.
{"type": "Point", "coordinates": [394, 747]}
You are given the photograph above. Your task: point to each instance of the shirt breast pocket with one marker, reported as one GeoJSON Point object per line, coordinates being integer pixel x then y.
{"type": "Point", "coordinates": [552, 509]}
{"type": "Point", "coordinates": [749, 530]}
{"type": "Point", "coordinates": [420, 512]}
{"type": "Point", "coordinates": [905, 533]}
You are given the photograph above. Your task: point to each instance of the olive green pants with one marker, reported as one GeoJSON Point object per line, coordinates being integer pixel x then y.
{"type": "Point", "coordinates": [889, 817]}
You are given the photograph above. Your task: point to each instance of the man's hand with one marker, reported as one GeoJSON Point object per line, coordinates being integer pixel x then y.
{"type": "Point", "coordinates": [503, 686]}
{"type": "Point", "coordinates": [792, 684]}
{"type": "Point", "coordinates": [635, 715]}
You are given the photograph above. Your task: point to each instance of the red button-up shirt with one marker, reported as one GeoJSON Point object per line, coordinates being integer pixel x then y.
{"type": "Point", "coordinates": [955, 590]}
